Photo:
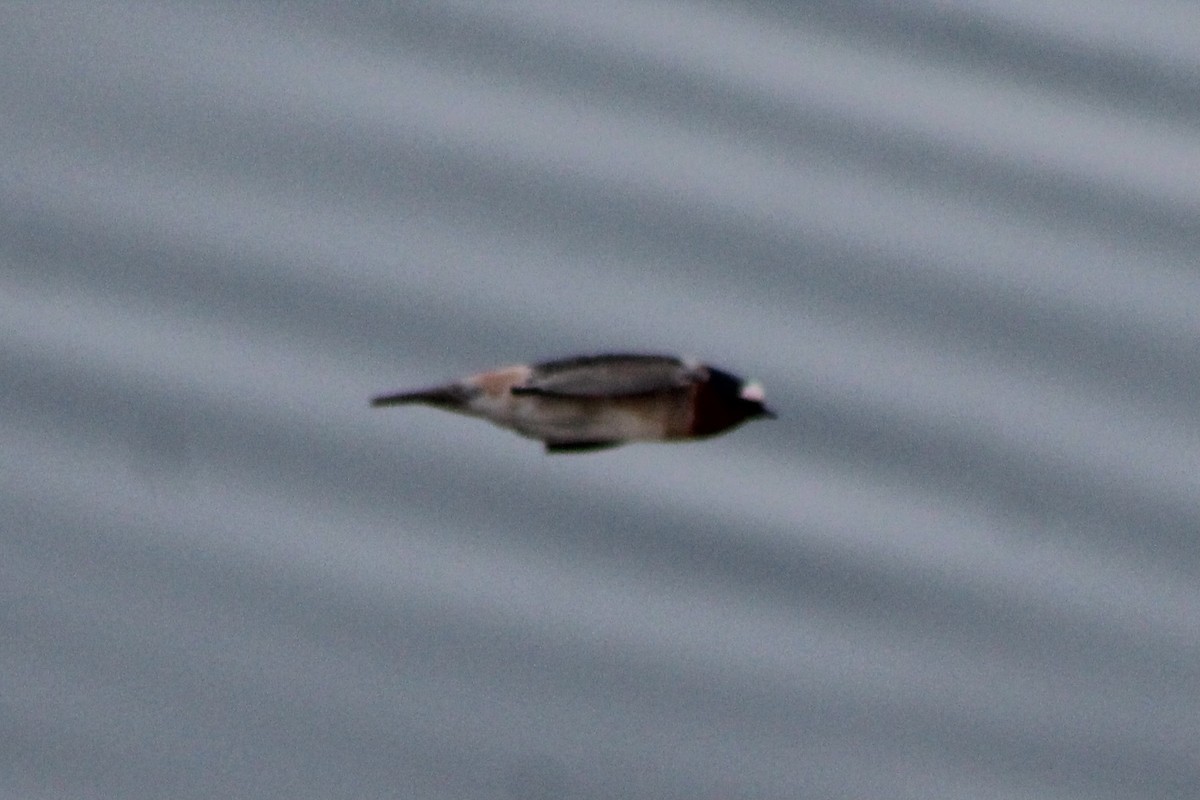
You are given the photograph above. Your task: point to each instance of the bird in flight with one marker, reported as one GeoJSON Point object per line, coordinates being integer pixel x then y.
{"type": "Point", "coordinates": [588, 403]}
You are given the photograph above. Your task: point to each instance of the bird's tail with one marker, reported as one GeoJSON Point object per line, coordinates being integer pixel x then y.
{"type": "Point", "coordinates": [442, 396]}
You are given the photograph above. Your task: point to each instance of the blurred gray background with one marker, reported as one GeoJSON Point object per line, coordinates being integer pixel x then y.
{"type": "Point", "coordinates": [956, 239]}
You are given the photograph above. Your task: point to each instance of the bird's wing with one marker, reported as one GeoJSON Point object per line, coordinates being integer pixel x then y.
{"type": "Point", "coordinates": [610, 376]}
{"type": "Point", "coordinates": [581, 447]}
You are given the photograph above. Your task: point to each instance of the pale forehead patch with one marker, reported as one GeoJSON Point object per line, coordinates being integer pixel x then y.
{"type": "Point", "coordinates": [753, 391]}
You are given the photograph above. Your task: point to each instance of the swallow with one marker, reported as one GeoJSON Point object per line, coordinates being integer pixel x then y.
{"type": "Point", "coordinates": [590, 403]}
